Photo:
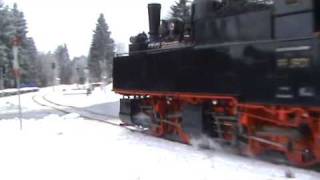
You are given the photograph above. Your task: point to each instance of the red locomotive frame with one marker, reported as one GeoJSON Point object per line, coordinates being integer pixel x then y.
{"type": "Point", "coordinates": [292, 131]}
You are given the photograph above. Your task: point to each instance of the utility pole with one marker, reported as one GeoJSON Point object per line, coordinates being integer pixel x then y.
{"type": "Point", "coordinates": [16, 69]}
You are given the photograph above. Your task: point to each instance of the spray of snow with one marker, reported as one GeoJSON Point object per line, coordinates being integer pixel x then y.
{"type": "Point", "coordinates": [142, 119]}
{"type": "Point", "coordinates": [142, 116]}
{"type": "Point", "coordinates": [205, 142]}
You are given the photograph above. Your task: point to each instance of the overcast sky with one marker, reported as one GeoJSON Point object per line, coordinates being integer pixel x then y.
{"type": "Point", "coordinates": [55, 22]}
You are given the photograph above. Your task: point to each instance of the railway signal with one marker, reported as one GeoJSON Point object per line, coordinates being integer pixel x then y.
{"type": "Point", "coordinates": [16, 70]}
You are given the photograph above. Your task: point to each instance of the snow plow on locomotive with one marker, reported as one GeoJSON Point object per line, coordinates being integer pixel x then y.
{"type": "Point", "coordinates": [248, 70]}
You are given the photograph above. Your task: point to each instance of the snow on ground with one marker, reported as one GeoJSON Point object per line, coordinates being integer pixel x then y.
{"type": "Point", "coordinates": [70, 147]}
{"type": "Point", "coordinates": [9, 107]}
{"type": "Point", "coordinates": [16, 90]}
{"type": "Point", "coordinates": [102, 100]}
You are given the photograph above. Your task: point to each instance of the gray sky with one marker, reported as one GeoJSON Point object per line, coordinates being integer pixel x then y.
{"type": "Point", "coordinates": [54, 22]}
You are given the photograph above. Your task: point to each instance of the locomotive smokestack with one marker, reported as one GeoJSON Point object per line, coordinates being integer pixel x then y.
{"type": "Point", "coordinates": [154, 20]}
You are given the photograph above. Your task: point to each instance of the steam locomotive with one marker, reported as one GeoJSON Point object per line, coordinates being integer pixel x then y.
{"type": "Point", "coordinates": [244, 72]}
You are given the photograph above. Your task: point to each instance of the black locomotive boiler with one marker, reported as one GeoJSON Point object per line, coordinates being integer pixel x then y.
{"type": "Point", "coordinates": [250, 69]}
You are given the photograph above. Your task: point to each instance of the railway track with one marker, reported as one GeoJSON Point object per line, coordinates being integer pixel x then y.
{"type": "Point", "coordinates": [42, 100]}
{"type": "Point", "coordinates": [83, 112]}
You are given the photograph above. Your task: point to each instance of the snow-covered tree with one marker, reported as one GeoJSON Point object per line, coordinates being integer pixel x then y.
{"type": "Point", "coordinates": [182, 10]}
{"type": "Point", "coordinates": [19, 22]}
{"type": "Point", "coordinates": [29, 56]}
{"type": "Point", "coordinates": [7, 31]}
{"type": "Point", "coordinates": [27, 49]}
{"type": "Point", "coordinates": [3, 62]}
{"type": "Point", "coordinates": [47, 70]}
{"type": "Point", "coordinates": [79, 66]}
{"type": "Point", "coordinates": [101, 51]}
{"type": "Point", "coordinates": [120, 48]}
{"type": "Point", "coordinates": [13, 25]}
{"type": "Point", "coordinates": [64, 64]}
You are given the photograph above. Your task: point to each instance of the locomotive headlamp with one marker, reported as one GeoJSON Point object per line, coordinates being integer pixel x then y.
{"type": "Point", "coordinates": [172, 26]}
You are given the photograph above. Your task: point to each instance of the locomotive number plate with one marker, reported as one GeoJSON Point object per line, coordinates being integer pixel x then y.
{"type": "Point", "coordinates": [294, 63]}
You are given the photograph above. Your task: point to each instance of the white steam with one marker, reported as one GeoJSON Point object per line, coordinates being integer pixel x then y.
{"type": "Point", "coordinates": [205, 142]}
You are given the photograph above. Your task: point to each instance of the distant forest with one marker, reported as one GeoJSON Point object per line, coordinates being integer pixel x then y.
{"type": "Point", "coordinates": [36, 68]}
{"type": "Point", "coordinates": [56, 67]}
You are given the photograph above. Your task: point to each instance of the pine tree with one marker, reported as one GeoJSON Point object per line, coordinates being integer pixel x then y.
{"type": "Point", "coordinates": [12, 25]}
{"type": "Point", "coordinates": [7, 31]}
{"type": "Point", "coordinates": [3, 62]}
{"type": "Point", "coordinates": [19, 22]}
{"type": "Point", "coordinates": [45, 65]}
{"type": "Point", "coordinates": [3, 35]}
{"type": "Point", "coordinates": [181, 10]}
{"type": "Point", "coordinates": [101, 51]}
{"type": "Point", "coordinates": [64, 64]}
{"type": "Point", "coordinates": [27, 50]}
{"type": "Point", "coordinates": [79, 65]}
{"type": "Point", "coordinates": [31, 56]}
